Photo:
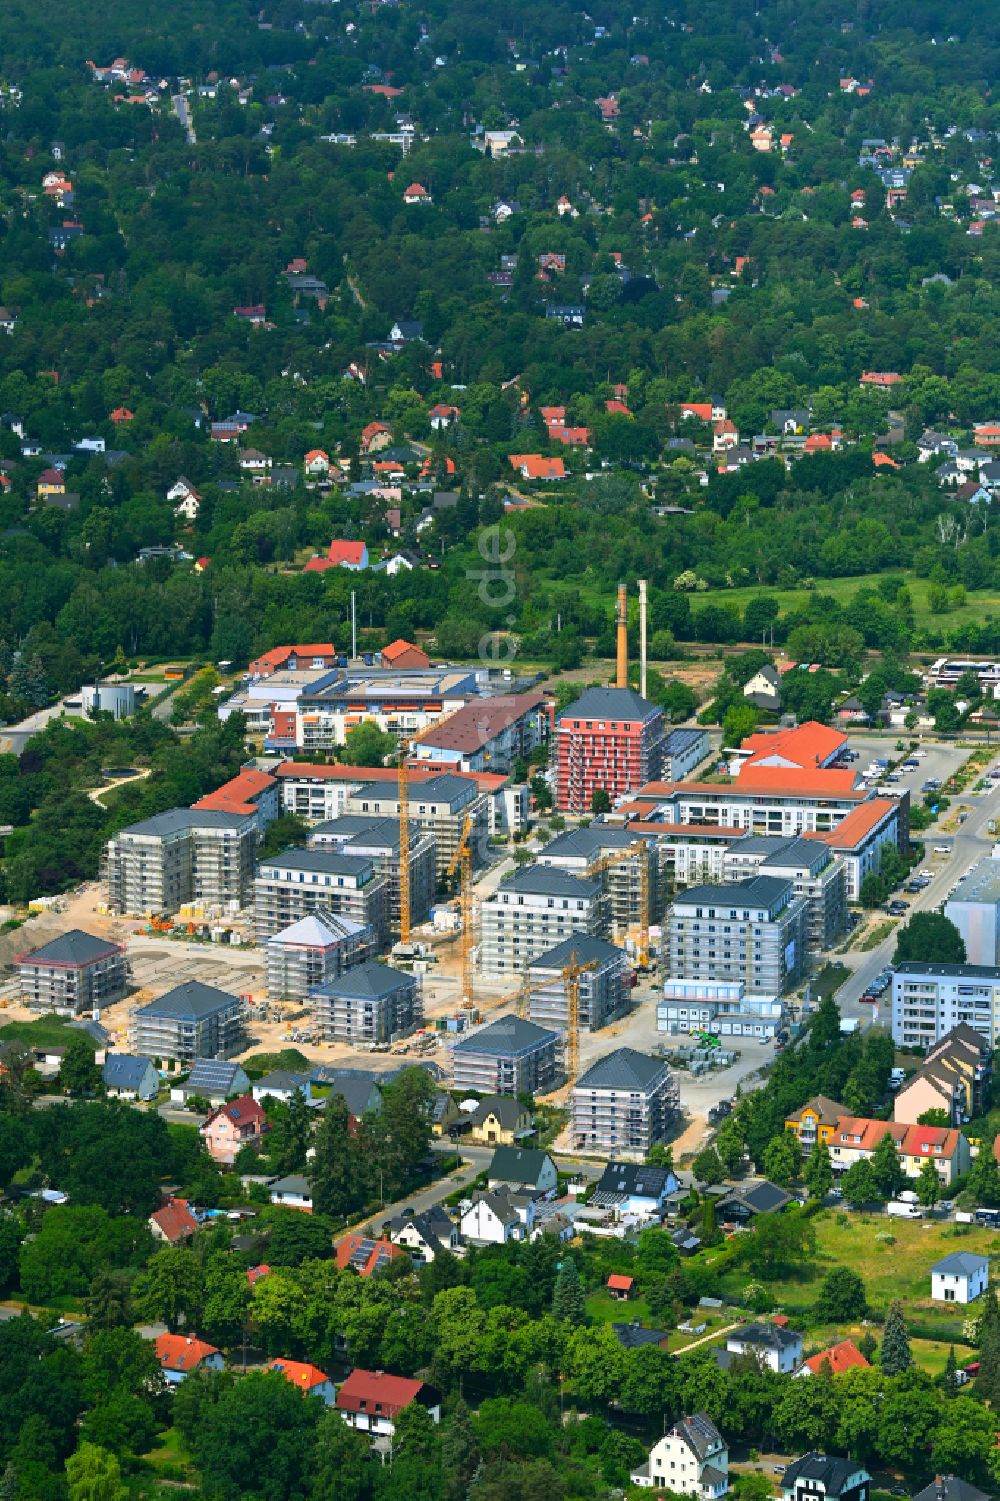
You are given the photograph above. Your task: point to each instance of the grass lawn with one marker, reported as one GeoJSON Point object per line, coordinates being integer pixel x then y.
{"type": "Point", "coordinates": [169, 1460]}
{"type": "Point", "coordinates": [828, 981]}
{"type": "Point", "coordinates": [982, 603]}
{"type": "Point", "coordinates": [602, 1308]}
{"type": "Point", "coordinates": [897, 1270]}
{"type": "Point", "coordinates": [43, 1032]}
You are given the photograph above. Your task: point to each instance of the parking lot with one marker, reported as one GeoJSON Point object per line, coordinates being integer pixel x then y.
{"type": "Point", "coordinates": [935, 762]}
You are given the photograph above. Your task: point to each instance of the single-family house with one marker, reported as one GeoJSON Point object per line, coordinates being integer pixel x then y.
{"type": "Point", "coordinates": [633, 1189]}
{"type": "Point", "coordinates": [691, 1459]}
{"type": "Point", "coordinates": [960, 1277]}
{"type": "Point", "coordinates": [292, 1192]}
{"type": "Point", "coordinates": [306, 1378]}
{"type": "Point", "coordinates": [213, 1079]}
{"type": "Point", "coordinates": [843, 1356]}
{"type": "Point", "coordinates": [185, 499]}
{"type": "Point", "coordinates": [366, 1254]}
{"type": "Point", "coordinates": [341, 554]}
{"type": "Point", "coordinates": [500, 1120]}
{"type": "Point", "coordinates": [316, 464]}
{"type": "Point", "coordinates": [495, 1218]}
{"type": "Point", "coordinates": [239, 1123]}
{"type": "Point", "coordinates": [774, 1345]}
{"type": "Point", "coordinates": [950, 1488]}
{"type": "Point", "coordinates": [442, 415]}
{"type": "Point", "coordinates": [173, 1222]}
{"type": "Point", "coordinates": [180, 1354]}
{"type": "Point", "coordinates": [742, 1203]}
{"type": "Point", "coordinates": [523, 1169]}
{"type": "Point", "coordinates": [371, 1401]}
{"type": "Point", "coordinates": [127, 1077]}
{"type": "Point", "coordinates": [281, 1084]}
{"type": "Point", "coordinates": [620, 1286]}
{"type": "Point", "coordinates": [376, 435]}
{"type": "Point", "coordinates": [417, 193]}
{"type": "Point", "coordinates": [823, 1477]}
{"type": "Point", "coordinates": [425, 1235]}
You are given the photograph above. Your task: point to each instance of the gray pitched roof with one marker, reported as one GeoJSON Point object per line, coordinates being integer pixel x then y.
{"type": "Point", "coordinates": [73, 948]}
{"type": "Point", "coordinates": [611, 703]}
{"type": "Point", "coordinates": [581, 947]}
{"type": "Point", "coordinates": [961, 1263]}
{"type": "Point", "coordinates": [368, 981]}
{"type": "Point", "coordinates": [215, 1075]}
{"type": "Point", "coordinates": [587, 843]}
{"type": "Point", "coordinates": [281, 1078]}
{"type": "Point", "coordinates": [124, 1071]}
{"type": "Point", "coordinates": [765, 1336]}
{"type": "Point", "coordinates": [621, 1180]}
{"type": "Point", "coordinates": [192, 1001]}
{"type": "Point", "coordinates": [625, 1068]}
{"type": "Point", "coordinates": [506, 1037]}
{"type": "Point", "coordinates": [176, 820]}
{"type": "Point", "coordinates": [517, 1164]}
{"type": "Point", "coordinates": [699, 1433]}
{"type": "Point", "coordinates": [760, 891]}
{"type": "Point", "coordinates": [326, 861]}
{"type": "Point", "coordinates": [547, 880]}
{"type": "Point", "coordinates": [506, 1110]}
{"type": "Point", "coordinates": [950, 1488]}
{"type": "Point", "coordinates": [634, 1336]}
{"type": "Point", "coordinates": [830, 1471]}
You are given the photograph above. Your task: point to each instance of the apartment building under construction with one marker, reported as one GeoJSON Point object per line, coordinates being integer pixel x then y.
{"type": "Point", "coordinates": [379, 840]}
{"type": "Point", "coordinates": [185, 855]}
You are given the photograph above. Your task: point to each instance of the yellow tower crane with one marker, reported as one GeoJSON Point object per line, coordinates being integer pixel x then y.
{"type": "Point", "coordinates": [639, 852]}
{"type": "Point", "coordinates": [461, 860]}
{"type": "Point", "coordinates": [571, 979]}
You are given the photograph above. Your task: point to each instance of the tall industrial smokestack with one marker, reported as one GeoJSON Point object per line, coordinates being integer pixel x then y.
{"type": "Point", "coordinates": [642, 636]}
{"type": "Point", "coordinates": [621, 617]}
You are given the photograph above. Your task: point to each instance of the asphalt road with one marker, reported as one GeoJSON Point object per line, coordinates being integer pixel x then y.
{"type": "Point", "coordinates": [183, 112]}
{"type": "Point", "coordinates": [969, 844]}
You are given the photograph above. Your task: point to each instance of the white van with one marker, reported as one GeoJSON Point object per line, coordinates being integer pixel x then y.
{"type": "Point", "coordinates": [900, 1211]}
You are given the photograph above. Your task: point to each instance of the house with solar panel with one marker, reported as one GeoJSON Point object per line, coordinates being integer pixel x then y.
{"type": "Point", "coordinates": [313, 951]}
{"type": "Point", "coordinates": [191, 1021]}
{"type": "Point", "coordinates": [692, 1459]}
{"type": "Point", "coordinates": [213, 1079]}
{"type": "Point", "coordinates": [366, 1254]}
{"type": "Point", "coordinates": [75, 972]}
{"type": "Point", "coordinates": [126, 1077]}
{"type": "Point", "coordinates": [631, 1188]}
{"type": "Point", "coordinates": [371, 1003]}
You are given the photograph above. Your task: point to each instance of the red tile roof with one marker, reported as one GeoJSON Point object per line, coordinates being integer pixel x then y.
{"type": "Point", "coordinates": [619, 1283]}
{"type": "Point", "coordinates": [366, 1253]}
{"type": "Point", "coordinates": [807, 745]}
{"type": "Point", "coordinates": [175, 1221]}
{"type": "Point", "coordinates": [842, 1357]}
{"type": "Point", "coordinates": [399, 648]}
{"type": "Point", "coordinates": [243, 1111]}
{"type": "Point", "coordinates": [181, 1352]}
{"type": "Point", "coordinates": [256, 1274]}
{"type": "Point", "coordinates": [341, 551]}
{"type": "Point", "coordinates": [371, 1391]}
{"type": "Point", "coordinates": [816, 780]}
{"type": "Point", "coordinates": [238, 794]}
{"type": "Point", "coordinates": [859, 823]}
{"type": "Point", "coordinates": [299, 1373]}
{"type": "Point", "coordinates": [534, 466]}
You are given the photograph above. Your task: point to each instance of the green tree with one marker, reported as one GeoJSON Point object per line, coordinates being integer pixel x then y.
{"type": "Point", "coordinates": [842, 1298]}
{"type": "Point", "coordinates": [343, 1467]}
{"type": "Point", "coordinates": [78, 1071]}
{"type": "Point", "coordinates": [600, 801]}
{"type": "Point", "coordinates": [819, 1171]}
{"type": "Point", "coordinates": [931, 938]}
{"type": "Point", "coordinates": [460, 1453]}
{"type": "Point", "coordinates": [108, 1303]}
{"type": "Point", "coordinates": [568, 1300]}
{"type": "Point", "coordinates": [707, 1168]}
{"type": "Point", "coordinates": [859, 1185]}
{"type": "Point", "coordinates": [367, 745]}
{"type": "Point", "coordinates": [291, 1135]}
{"type": "Point", "coordinates": [255, 1437]}
{"type": "Point", "coordinates": [171, 1288]}
{"type": "Point", "coordinates": [729, 1145]}
{"type": "Point", "coordinates": [928, 1185]}
{"type": "Point", "coordinates": [783, 1159]}
{"type": "Point", "coordinates": [92, 1474]}
{"type": "Point", "coordinates": [894, 1356]}
{"type": "Point", "coordinates": [887, 1168]}
{"type": "Point", "coordinates": [334, 1176]}
{"type": "Point", "coordinates": [738, 724]}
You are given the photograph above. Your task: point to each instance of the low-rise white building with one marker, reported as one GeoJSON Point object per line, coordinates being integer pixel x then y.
{"type": "Point", "coordinates": [692, 1459]}
{"type": "Point", "coordinates": [960, 1278]}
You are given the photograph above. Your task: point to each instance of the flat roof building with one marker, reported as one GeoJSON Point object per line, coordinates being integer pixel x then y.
{"type": "Point", "coordinates": [974, 908]}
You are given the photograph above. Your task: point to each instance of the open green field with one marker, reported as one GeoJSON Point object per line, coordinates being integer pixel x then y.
{"type": "Point", "coordinates": [602, 1308]}
{"type": "Point", "coordinates": [43, 1032]}
{"type": "Point", "coordinates": [893, 1257]}
{"type": "Point", "coordinates": [979, 605]}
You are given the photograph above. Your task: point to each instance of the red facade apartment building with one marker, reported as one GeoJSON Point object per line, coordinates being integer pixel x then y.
{"type": "Point", "coordinates": [610, 738]}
